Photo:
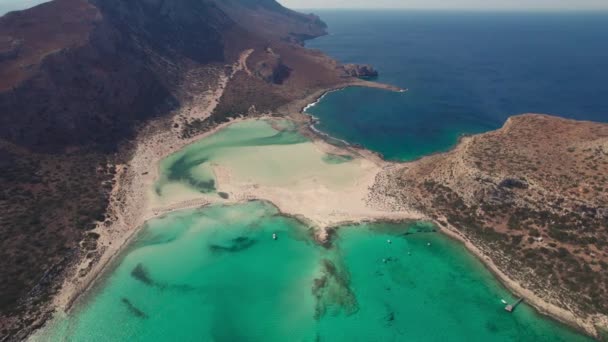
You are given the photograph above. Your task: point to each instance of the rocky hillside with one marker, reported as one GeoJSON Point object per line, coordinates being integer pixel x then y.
{"type": "Point", "coordinates": [77, 79]}
{"type": "Point", "coordinates": [75, 72]}
{"type": "Point", "coordinates": [533, 196]}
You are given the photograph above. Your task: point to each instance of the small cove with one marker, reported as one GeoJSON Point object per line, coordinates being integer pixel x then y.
{"type": "Point", "coordinates": [466, 73]}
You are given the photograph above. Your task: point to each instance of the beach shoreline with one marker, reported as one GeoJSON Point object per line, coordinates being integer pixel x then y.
{"type": "Point", "coordinates": [130, 203]}
{"type": "Point", "coordinates": [133, 209]}
{"type": "Point", "coordinates": [540, 305]}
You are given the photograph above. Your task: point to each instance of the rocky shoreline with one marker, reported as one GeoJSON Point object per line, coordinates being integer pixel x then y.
{"type": "Point", "coordinates": [486, 190]}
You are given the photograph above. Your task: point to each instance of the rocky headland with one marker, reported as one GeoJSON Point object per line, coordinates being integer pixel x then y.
{"type": "Point", "coordinates": [531, 199]}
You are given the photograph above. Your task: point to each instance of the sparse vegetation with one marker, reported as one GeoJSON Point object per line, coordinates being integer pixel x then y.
{"type": "Point", "coordinates": [49, 203]}
{"type": "Point", "coordinates": [533, 204]}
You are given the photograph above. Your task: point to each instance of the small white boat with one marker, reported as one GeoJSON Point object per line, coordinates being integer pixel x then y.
{"type": "Point", "coordinates": [274, 236]}
{"type": "Point", "coordinates": [389, 241]}
{"type": "Point", "coordinates": [503, 301]}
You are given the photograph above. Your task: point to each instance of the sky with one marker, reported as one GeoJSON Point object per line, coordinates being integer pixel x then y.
{"type": "Point", "coordinates": [11, 5]}
{"type": "Point", "coordinates": [453, 4]}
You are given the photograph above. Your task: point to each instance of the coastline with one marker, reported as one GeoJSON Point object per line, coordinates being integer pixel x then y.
{"type": "Point", "coordinates": [130, 204]}
{"type": "Point", "coordinates": [564, 316]}
{"type": "Point", "coordinates": [541, 306]}
{"type": "Point", "coordinates": [136, 209]}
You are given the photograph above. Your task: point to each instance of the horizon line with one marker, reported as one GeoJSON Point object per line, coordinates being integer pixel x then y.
{"type": "Point", "coordinates": [601, 9]}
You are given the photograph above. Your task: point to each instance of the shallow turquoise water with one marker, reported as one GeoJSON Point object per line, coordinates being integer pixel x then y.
{"type": "Point", "coordinates": [192, 164]}
{"type": "Point", "coordinates": [216, 274]}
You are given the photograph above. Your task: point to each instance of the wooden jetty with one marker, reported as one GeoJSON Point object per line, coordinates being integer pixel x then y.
{"type": "Point", "coordinates": [511, 307]}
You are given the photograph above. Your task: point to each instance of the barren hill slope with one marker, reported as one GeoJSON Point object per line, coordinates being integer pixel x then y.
{"type": "Point", "coordinates": [79, 78]}
{"type": "Point", "coordinates": [533, 196]}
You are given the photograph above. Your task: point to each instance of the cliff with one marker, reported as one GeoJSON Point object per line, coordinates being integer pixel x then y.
{"type": "Point", "coordinates": [533, 197]}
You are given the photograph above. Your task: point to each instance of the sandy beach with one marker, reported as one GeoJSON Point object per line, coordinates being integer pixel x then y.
{"type": "Point", "coordinates": [131, 204]}
{"type": "Point", "coordinates": [310, 199]}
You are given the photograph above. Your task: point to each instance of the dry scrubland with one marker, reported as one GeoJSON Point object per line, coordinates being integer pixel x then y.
{"type": "Point", "coordinates": [533, 196]}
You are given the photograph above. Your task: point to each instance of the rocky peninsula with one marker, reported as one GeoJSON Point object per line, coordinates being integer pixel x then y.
{"type": "Point", "coordinates": [530, 199]}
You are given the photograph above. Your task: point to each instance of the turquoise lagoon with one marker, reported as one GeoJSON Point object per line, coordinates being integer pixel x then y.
{"type": "Point", "coordinates": [264, 152]}
{"type": "Point", "coordinates": [216, 274]}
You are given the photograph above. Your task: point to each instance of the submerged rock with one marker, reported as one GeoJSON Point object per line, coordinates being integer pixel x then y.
{"type": "Point", "coordinates": [133, 309]}
{"type": "Point", "coordinates": [141, 273]}
{"type": "Point", "coordinates": [333, 289]}
{"type": "Point", "coordinates": [238, 244]}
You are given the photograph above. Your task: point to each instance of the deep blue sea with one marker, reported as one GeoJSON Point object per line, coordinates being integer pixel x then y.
{"type": "Point", "coordinates": [466, 73]}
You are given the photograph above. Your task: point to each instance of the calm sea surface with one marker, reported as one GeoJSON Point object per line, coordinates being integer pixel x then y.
{"type": "Point", "coordinates": [216, 274]}
{"type": "Point", "coordinates": [466, 73]}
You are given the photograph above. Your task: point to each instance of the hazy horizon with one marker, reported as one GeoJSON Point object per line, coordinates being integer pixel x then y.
{"type": "Point", "coordinates": [15, 5]}
{"type": "Point", "coordinates": [468, 5]}
{"type": "Point", "coordinates": [438, 5]}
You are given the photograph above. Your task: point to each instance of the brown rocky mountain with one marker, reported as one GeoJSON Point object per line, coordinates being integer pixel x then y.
{"type": "Point", "coordinates": [79, 78]}
{"type": "Point", "coordinates": [110, 62]}
{"type": "Point", "coordinates": [533, 198]}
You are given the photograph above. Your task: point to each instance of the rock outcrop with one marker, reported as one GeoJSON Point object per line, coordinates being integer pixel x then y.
{"type": "Point", "coordinates": [271, 68]}
{"type": "Point", "coordinates": [359, 70]}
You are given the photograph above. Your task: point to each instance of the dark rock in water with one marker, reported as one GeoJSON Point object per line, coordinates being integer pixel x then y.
{"type": "Point", "coordinates": [238, 244]}
{"type": "Point", "coordinates": [331, 234]}
{"type": "Point", "coordinates": [333, 290]}
{"type": "Point", "coordinates": [141, 273]}
{"type": "Point", "coordinates": [360, 70]}
{"type": "Point", "coordinates": [318, 284]}
{"type": "Point", "coordinates": [133, 309]}
{"type": "Point", "coordinates": [491, 326]}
